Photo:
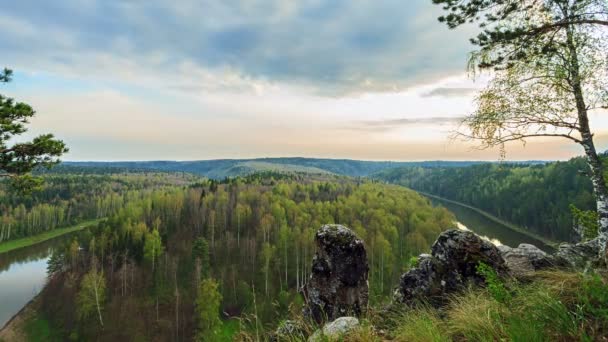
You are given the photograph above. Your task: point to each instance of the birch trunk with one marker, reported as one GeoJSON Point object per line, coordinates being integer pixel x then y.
{"type": "Point", "coordinates": [595, 163]}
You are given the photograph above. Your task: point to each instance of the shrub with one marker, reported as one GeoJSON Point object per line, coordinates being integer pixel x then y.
{"type": "Point", "coordinates": [495, 286]}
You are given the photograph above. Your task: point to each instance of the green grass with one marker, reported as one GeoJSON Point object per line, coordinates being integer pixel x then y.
{"type": "Point", "coordinates": [229, 329]}
{"type": "Point", "coordinates": [32, 240]}
{"type": "Point", "coordinates": [555, 306]}
{"type": "Point", "coordinates": [38, 328]}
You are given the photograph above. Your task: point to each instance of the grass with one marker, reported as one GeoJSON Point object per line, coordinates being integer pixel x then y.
{"type": "Point", "coordinates": [38, 328]}
{"type": "Point", "coordinates": [556, 306]}
{"type": "Point", "coordinates": [229, 329]}
{"type": "Point", "coordinates": [421, 325]}
{"type": "Point", "coordinates": [32, 240]}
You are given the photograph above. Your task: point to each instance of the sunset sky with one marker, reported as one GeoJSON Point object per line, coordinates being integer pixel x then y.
{"type": "Point", "coordinates": [149, 80]}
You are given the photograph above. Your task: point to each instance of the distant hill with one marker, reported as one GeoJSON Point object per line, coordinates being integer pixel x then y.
{"type": "Point", "coordinates": [536, 197]}
{"type": "Point", "coordinates": [221, 168]}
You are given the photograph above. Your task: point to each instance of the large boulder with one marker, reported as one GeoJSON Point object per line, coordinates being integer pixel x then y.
{"type": "Point", "coordinates": [338, 282]}
{"type": "Point", "coordinates": [450, 267]}
{"type": "Point", "coordinates": [335, 330]}
{"type": "Point", "coordinates": [525, 259]}
{"type": "Point", "coordinates": [579, 255]}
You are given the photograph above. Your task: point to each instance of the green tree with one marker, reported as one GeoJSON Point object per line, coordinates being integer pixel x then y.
{"type": "Point", "coordinates": [92, 295]}
{"type": "Point", "coordinates": [267, 254]}
{"type": "Point", "coordinates": [153, 247]}
{"type": "Point", "coordinates": [18, 160]}
{"type": "Point", "coordinates": [200, 251]}
{"type": "Point", "coordinates": [550, 73]}
{"type": "Point", "coordinates": [208, 302]}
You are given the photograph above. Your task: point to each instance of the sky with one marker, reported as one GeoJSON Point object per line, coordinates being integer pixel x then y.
{"type": "Point", "coordinates": [200, 79]}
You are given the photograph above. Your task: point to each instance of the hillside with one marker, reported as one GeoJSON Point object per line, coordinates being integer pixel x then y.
{"type": "Point", "coordinates": [221, 168]}
{"type": "Point", "coordinates": [536, 197]}
{"type": "Point", "coordinates": [248, 240]}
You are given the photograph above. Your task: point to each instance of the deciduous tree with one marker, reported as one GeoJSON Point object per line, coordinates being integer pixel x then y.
{"type": "Point", "coordinates": [208, 302]}
{"type": "Point", "coordinates": [550, 73]}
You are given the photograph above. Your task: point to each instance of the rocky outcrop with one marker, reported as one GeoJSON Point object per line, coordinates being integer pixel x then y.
{"type": "Point", "coordinates": [525, 259]}
{"type": "Point", "coordinates": [335, 330]}
{"type": "Point", "coordinates": [338, 283]}
{"type": "Point", "coordinates": [450, 267]}
{"type": "Point", "coordinates": [578, 255]}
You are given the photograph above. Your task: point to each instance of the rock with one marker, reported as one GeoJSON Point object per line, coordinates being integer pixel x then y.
{"type": "Point", "coordinates": [289, 331]}
{"type": "Point", "coordinates": [578, 255]}
{"type": "Point", "coordinates": [525, 259]}
{"type": "Point", "coordinates": [335, 330]}
{"type": "Point", "coordinates": [450, 267]}
{"type": "Point", "coordinates": [338, 284]}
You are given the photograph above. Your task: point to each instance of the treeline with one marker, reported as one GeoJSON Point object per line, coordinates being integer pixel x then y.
{"type": "Point", "coordinates": [67, 199]}
{"type": "Point", "coordinates": [250, 239]}
{"type": "Point", "coordinates": [536, 197]}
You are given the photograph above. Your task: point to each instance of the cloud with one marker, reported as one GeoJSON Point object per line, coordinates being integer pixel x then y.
{"type": "Point", "coordinates": [450, 92]}
{"type": "Point", "coordinates": [391, 124]}
{"type": "Point", "coordinates": [329, 47]}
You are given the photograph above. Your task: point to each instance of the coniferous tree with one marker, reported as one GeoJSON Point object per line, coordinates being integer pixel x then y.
{"type": "Point", "coordinates": [18, 160]}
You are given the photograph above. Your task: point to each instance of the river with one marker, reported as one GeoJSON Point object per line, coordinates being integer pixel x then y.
{"type": "Point", "coordinates": [23, 275]}
{"type": "Point", "coordinates": [488, 228]}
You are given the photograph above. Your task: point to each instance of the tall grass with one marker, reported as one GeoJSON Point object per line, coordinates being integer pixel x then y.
{"type": "Point", "coordinates": [555, 306]}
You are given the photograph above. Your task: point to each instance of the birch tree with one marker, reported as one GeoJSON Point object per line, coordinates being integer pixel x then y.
{"type": "Point", "coordinates": [92, 295]}
{"type": "Point", "coordinates": [549, 62]}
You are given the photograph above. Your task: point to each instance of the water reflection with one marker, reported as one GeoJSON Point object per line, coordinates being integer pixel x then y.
{"type": "Point", "coordinates": [490, 229]}
{"type": "Point", "coordinates": [23, 275]}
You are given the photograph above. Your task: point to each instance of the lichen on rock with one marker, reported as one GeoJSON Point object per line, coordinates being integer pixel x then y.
{"type": "Point", "coordinates": [450, 267]}
{"type": "Point", "coordinates": [338, 283]}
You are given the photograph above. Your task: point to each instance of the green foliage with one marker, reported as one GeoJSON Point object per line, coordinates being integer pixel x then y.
{"type": "Point", "coordinates": [594, 298]}
{"type": "Point", "coordinates": [92, 295]}
{"type": "Point", "coordinates": [587, 220]}
{"type": "Point", "coordinates": [535, 197]}
{"type": "Point", "coordinates": [18, 160]}
{"type": "Point", "coordinates": [494, 284]}
{"type": "Point", "coordinates": [153, 247]}
{"type": "Point", "coordinates": [413, 262]}
{"type": "Point", "coordinates": [207, 311]}
{"type": "Point", "coordinates": [39, 328]}
{"type": "Point", "coordinates": [75, 200]}
{"type": "Point", "coordinates": [554, 306]}
{"type": "Point", "coordinates": [200, 251]}
{"type": "Point", "coordinates": [255, 237]}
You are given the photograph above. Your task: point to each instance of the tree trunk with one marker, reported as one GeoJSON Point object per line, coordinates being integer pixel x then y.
{"type": "Point", "coordinates": [595, 163]}
{"type": "Point", "coordinates": [97, 299]}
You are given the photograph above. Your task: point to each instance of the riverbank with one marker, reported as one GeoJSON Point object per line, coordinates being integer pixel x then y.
{"type": "Point", "coordinates": [549, 242]}
{"type": "Point", "coordinates": [32, 240]}
{"type": "Point", "coordinates": [13, 330]}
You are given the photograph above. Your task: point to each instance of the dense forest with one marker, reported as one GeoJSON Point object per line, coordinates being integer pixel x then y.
{"type": "Point", "coordinates": [68, 199]}
{"type": "Point", "coordinates": [535, 197]}
{"type": "Point", "coordinates": [245, 244]}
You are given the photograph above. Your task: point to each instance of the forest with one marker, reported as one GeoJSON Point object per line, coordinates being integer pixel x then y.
{"type": "Point", "coordinates": [245, 244]}
{"type": "Point", "coordinates": [68, 199]}
{"type": "Point", "coordinates": [221, 168]}
{"type": "Point", "coordinates": [535, 197]}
